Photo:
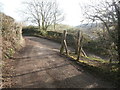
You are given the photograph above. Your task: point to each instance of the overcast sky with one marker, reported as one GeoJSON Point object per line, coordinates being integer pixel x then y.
{"type": "Point", "coordinates": [71, 8]}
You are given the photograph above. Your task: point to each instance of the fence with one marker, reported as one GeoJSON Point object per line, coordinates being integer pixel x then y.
{"type": "Point", "coordinates": [77, 43]}
{"type": "Point", "coordinates": [73, 40]}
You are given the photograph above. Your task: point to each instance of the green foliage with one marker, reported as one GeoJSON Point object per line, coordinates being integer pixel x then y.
{"type": "Point", "coordinates": [59, 28]}
{"type": "Point", "coordinates": [30, 30]}
{"type": "Point", "coordinates": [94, 47]}
{"type": "Point", "coordinates": [43, 33]}
{"type": "Point", "coordinates": [98, 59]}
{"type": "Point", "coordinates": [55, 36]}
{"type": "Point", "coordinates": [6, 56]}
{"type": "Point", "coordinates": [102, 68]}
{"type": "Point", "coordinates": [11, 51]}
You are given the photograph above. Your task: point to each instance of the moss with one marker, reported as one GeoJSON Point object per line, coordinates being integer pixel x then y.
{"type": "Point", "coordinates": [109, 72]}
{"type": "Point", "coordinates": [98, 59]}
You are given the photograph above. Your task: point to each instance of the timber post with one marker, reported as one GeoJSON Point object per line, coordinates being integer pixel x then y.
{"type": "Point", "coordinates": [79, 44]}
{"type": "Point", "coordinates": [64, 44]}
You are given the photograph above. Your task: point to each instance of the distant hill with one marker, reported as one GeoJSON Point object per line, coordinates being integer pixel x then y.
{"type": "Point", "coordinates": [59, 27]}
{"type": "Point", "coordinates": [86, 26]}
{"type": "Point", "coordinates": [90, 29]}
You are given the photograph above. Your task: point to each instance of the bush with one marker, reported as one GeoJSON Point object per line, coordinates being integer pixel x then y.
{"type": "Point", "coordinates": [11, 36]}
{"type": "Point", "coordinates": [30, 30]}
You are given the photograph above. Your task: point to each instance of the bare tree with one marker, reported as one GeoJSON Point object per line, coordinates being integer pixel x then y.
{"type": "Point", "coordinates": [107, 13]}
{"type": "Point", "coordinates": [43, 12]}
{"type": "Point", "coordinates": [117, 9]}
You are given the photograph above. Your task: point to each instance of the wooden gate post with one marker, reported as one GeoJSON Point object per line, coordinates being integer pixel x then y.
{"type": "Point", "coordinates": [79, 44]}
{"type": "Point", "coordinates": [64, 44]}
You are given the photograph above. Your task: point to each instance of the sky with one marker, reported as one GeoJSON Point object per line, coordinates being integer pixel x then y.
{"type": "Point", "coordinates": [71, 9]}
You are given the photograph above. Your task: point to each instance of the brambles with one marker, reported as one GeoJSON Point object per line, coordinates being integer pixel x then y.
{"type": "Point", "coordinates": [11, 35]}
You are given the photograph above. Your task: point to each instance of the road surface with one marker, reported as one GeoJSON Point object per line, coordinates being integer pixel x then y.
{"type": "Point", "coordinates": [39, 65]}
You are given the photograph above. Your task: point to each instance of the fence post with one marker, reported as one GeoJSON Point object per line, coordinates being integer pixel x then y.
{"type": "Point", "coordinates": [83, 52]}
{"type": "Point", "coordinates": [64, 44]}
{"type": "Point", "coordinates": [79, 44]}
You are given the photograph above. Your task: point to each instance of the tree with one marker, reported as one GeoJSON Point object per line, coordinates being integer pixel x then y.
{"type": "Point", "coordinates": [117, 9]}
{"type": "Point", "coordinates": [43, 12]}
{"type": "Point", "coordinates": [108, 14]}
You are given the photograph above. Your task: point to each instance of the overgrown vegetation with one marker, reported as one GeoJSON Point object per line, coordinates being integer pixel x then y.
{"type": "Point", "coordinates": [11, 35]}
{"type": "Point", "coordinates": [108, 14]}
{"type": "Point", "coordinates": [100, 68]}
{"type": "Point", "coordinates": [11, 40]}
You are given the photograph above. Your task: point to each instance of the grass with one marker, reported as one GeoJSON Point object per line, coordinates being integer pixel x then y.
{"type": "Point", "coordinates": [100, 67]}
{"type": "Point", "coordinates": [1, 63]}
{"type": "Point", "coordinates": [98, 59]}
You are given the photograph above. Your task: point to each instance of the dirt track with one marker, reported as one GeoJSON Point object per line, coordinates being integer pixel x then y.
{"type": "Point", "coordinates": [39, 65]}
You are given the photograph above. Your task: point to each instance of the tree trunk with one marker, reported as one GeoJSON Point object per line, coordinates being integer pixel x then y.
{"type": "Point", "coordinates": [54, 26]}
{"type": "Point", "coordinates": [39, 24]}
{"type": "Point", "coordinates": [43, 23]}
{"type": "Point", "coordinates": [118, 36]}
{"type": "Point", "coordinates": [118, 29]}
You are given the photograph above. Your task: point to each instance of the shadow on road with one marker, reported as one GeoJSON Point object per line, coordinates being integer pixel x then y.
{"type": "Point", "coordinates": [40, 66]}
